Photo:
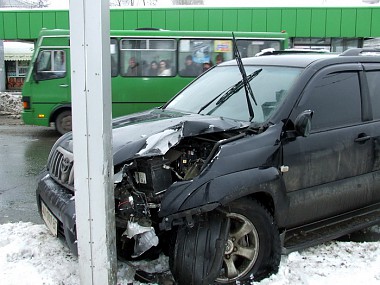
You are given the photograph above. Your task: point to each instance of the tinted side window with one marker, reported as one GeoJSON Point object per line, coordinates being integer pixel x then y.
{"type": "Point", "coordinates": [335, 100]}
{"type": "Point", "coordinates": [373, 78]}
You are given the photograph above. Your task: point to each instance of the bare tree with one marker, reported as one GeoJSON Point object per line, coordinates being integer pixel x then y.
{"type": "Point", "coordinates": [188, 2]}
{"type": "Point", "coordinates": [121, 3]}
{"type": "Point", "coordinates": [38, 3]}
{"type": "Point", "coordinates": [24, 3]}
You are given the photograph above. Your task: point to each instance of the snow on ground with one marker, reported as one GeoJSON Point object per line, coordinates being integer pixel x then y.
{"type": "Point", "coordinates": [30, 255]}
{"type": "Point", "coordinates": [10, 104]}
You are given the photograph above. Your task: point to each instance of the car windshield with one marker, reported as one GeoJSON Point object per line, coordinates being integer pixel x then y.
{"type": "Point", "coordinates": [219, 92]}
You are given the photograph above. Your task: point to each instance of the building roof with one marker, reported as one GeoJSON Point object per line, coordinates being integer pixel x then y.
{"type": "Point", "coordinates": [307, 22]}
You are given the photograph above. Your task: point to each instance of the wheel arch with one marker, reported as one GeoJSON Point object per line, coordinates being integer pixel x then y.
{"type": "Point", "coordinates": [265, 199]}
{"type": "Point", "coordinates": [57, 110]}
{"type": "Point", "coordinates": [263, 185]}
{"type": "Point", "coordinates": [269, 200]}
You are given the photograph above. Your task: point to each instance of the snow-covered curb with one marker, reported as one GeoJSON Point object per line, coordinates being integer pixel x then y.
{"type": "Point", "coordinates": [10, 104]}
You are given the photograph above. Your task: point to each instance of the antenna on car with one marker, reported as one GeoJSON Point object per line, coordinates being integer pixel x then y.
{"type": "Point", "coordinates": [247, 87]}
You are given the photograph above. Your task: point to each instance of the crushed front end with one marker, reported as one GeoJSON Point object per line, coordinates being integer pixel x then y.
{"type": "Point", "coordinates": [169, 155]}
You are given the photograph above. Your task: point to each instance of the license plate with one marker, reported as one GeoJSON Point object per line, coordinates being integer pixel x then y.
{"type": "Point", "coordinates": [50, 221]}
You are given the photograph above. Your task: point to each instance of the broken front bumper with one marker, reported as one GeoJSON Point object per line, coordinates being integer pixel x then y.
{"type": "Point", "coordinates": [60, 203]}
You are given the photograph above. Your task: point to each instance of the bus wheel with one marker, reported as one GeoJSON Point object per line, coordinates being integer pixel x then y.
{"type": "Point", "coordinates": [63, 122]}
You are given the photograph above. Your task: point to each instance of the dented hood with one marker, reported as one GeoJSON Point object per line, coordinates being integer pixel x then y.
{"type": "Point", "coordinates": [153, 132]}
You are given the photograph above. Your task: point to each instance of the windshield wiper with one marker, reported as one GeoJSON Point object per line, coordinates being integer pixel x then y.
{"type": "Point", "coordinates": [229, 92]}
{"type": "Point", "coordinates": [244, 82]}
{"type": "Point", "coordinates": [237, 87]}
{"type": "Point", "coordinates": [247, 87]}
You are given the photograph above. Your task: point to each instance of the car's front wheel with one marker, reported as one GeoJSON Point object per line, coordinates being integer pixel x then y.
{"type": "Point", "coordinates": [250, 249]}
{"type": "Point", "coordinates": [253, 248]}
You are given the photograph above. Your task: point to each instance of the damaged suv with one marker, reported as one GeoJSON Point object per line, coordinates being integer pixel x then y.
{"type": "Point", "coordinates": [233, 172]}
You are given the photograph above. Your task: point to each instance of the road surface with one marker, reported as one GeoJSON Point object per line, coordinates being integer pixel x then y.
{"type": "Point", "coordinates": [23, 153]}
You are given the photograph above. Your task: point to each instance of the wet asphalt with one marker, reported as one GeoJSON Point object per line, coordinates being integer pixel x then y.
{"type": "Point", "coordinates": [23, 154]}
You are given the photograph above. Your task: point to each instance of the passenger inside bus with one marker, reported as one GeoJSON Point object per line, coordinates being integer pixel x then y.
{"type": "Point", "coordinates": [207, 65]}
{"type": "Point", "coordinates": [191, 69]}
{"type": "Point", "coordinates": [153, 69]}
{"type": "Point", "coordinates": [133, 68]}
{"type": "Point", "coordinates": [164, 69]}
{"type": "Point", "coordinates": [218, 58]}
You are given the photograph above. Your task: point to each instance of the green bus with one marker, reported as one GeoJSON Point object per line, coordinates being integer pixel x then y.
{"type": "Point", "coordinates": [148, 67]}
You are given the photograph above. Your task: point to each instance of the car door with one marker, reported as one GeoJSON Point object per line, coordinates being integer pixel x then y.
{"type": "Point", "coordinates": [329, 170]}
{"type": "Point", "coordinates": [373, 79]}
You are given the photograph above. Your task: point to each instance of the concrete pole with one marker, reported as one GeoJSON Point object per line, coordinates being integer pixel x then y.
{"type": "Point", "coordinates": [91, 109]}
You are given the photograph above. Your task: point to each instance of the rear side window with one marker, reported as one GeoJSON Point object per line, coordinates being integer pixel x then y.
{"type": "Point", "coordinates": [373, 78]}
{"type": "Point", "coordinates": [335, 100]}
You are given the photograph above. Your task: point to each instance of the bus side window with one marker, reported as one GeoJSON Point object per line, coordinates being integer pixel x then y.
{"type": "Point", "coordinates": [248, 48]}
{"type": "Point", "coordinates": [140, 57]}
{"type": "Point", "coordinates": [197, 55]}
{"type": "Point", "coordinates": [114, 58]}
{"type": "Point", "coordinates": [50, 64]}
{"type": "Point", "coordinates": [59, 61]}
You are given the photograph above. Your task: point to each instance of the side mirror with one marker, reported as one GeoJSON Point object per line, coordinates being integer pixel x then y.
{"type": "Point", "coordinates": [303, 123]}
{"type": "Point", "coordinates": [35, 75]}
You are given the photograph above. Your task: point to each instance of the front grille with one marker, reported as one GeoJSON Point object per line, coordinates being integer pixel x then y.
{"type": "Point", "coordinates": [61, 167]}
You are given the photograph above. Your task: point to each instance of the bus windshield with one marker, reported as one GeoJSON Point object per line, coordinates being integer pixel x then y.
{"type": "Point", "coordinates": [207, 94]}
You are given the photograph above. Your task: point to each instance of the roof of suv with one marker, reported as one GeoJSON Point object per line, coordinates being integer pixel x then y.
{"type": "Point", "coordinates": [293, 60]}
{"type": "Point", "coordinates": [303, 59]}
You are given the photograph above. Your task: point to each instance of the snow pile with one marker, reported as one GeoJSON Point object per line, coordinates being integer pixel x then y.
{"type": "Point", "coordinates": [10, 104]}
{"type": "Point", "coordinates": [30, 255]}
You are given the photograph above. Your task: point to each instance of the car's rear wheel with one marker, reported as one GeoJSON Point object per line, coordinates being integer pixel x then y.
{"type": "Point", "coordinates": [250, 250]}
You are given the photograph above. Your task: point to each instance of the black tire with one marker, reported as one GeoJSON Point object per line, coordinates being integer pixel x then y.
{"type": "Point", "coordinates": [197, 253]}
{"type": "Point", "coordinates": [251, 248]}
{"type": "Point", "coordinates": [63, 122]}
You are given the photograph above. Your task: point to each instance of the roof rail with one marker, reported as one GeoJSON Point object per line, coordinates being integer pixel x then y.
{"type": "Point", "coordinates": [358, 51]}
{"type": "Point", "coordinates": [272, 51]}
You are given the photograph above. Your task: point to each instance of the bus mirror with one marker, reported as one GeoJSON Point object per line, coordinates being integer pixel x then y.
{"type": "Point", "coordinates": [35, 77]}
{"type": "Point", "coordinates": [35, 74]}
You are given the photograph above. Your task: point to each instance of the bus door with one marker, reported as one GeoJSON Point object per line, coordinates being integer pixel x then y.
{"type": "Point", "coordinates": [50, 86]}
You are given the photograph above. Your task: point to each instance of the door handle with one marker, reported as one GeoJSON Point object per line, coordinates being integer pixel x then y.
{"type": "Point", "coordinates": [64, 85]}
{"type": "Point", "coordinates": [362, 138]}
